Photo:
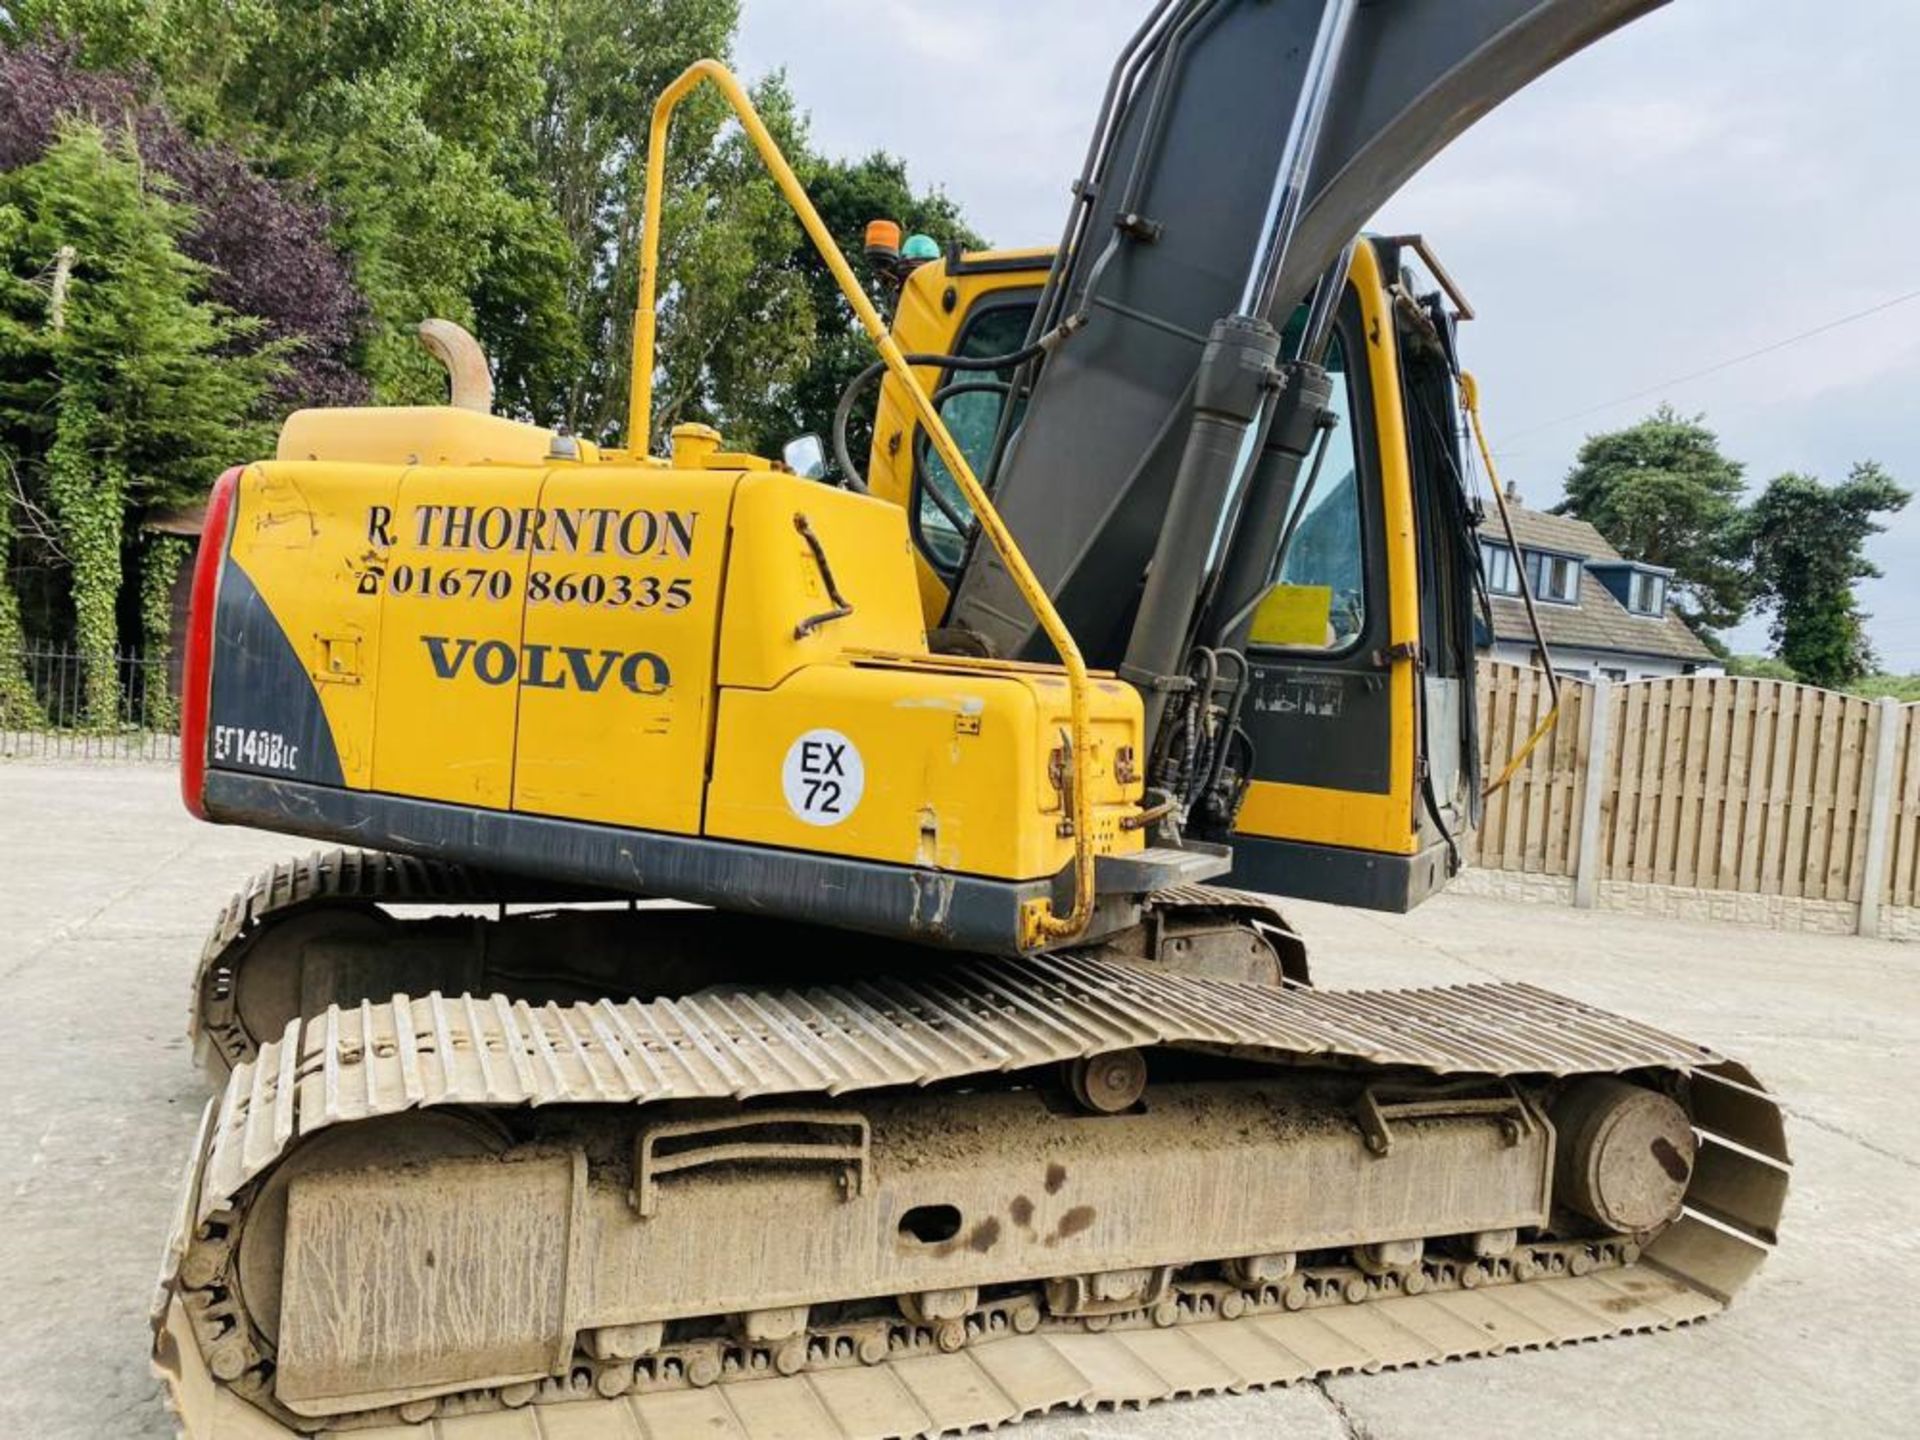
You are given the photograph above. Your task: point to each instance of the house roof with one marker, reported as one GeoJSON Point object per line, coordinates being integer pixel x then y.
{"type": "Point", "coordinates": [1597, 621]}
{"type": "Point", "coordinates": [1537, 530]}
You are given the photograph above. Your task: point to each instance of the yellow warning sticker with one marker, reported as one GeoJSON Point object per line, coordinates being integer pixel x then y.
{"type": "Point", "coordinates": [1294, 615]}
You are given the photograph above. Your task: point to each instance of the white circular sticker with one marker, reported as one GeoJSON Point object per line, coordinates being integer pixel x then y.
{"type": "Point", "coordinates": [823, 777]}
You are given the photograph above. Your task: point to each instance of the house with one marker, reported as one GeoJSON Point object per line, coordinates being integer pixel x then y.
{"type": "Point", "coordinates": [1603, 617]}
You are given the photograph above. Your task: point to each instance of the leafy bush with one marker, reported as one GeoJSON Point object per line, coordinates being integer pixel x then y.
{"type": "Point", "coordinates": [265, 243]}
{"type": "Point", "coordinates": [122, 385]}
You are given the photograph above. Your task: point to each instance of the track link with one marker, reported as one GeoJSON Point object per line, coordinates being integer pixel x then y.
{"type": "Point", "coordinates": [362, 879]}
{"type": "Point", "coordinates": [369, 882]}
{"type": "Point", "coordinates": [1000, 1376]}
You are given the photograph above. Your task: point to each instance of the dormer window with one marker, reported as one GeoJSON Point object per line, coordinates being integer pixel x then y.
{"type": "Point", "coordinates": [1503, 576]}
{"type": "Point", "coordinates": [1647, 594]}
{"type": "Point", "coordinates": [1550, 577]}
{"type": "Point", "coordinates": [1640, 589]}
{"type": "Point", "coordinates": [1555, 577]}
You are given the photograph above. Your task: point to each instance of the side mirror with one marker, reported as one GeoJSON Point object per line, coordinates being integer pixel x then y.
{"type": "Point", "coordinates": [806, 456]}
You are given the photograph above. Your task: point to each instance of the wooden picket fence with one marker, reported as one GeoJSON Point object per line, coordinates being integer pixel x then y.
{"type": "Point", "coordinates": [1715, 783]}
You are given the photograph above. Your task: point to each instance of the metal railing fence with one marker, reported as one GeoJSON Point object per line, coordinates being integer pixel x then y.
{"type": "Point", "coordinates": [45, 707]}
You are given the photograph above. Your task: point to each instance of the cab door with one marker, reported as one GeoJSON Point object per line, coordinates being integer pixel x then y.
{"type": "Point", "coordinates": [1448, 520]}
{"type": "Point", "coordinates": [1332, 710]}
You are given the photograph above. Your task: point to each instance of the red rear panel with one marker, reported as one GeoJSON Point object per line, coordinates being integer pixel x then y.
{"type": "Point", "coordinates": [198, 680]}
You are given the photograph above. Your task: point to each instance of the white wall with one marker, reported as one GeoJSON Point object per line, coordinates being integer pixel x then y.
{"type": "Point", "coordinates": [1592, 664]}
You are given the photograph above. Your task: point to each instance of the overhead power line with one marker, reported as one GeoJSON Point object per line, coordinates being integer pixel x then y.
{"type": "Point", "coordinates": [1715, 368]}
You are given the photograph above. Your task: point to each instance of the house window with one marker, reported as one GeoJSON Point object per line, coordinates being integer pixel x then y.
{"type": "Point", "coordinates": [1555, 577]}
{"type": "Point", "coordinates": [1613, 674]}
{"type": "Point", "coordinates": [1503, 576]}
{"type": "Point", "coordinates": [1647, 595]}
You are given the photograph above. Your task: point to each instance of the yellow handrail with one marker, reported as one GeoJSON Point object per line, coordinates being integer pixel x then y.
{"type": "Point", "coordinates": [1043, 921]}
{"type": "Point", "coordinates": [1470, 399]}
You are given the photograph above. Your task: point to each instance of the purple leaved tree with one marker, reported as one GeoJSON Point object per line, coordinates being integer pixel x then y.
{"type": "Point", "coordinates": [265, 241]}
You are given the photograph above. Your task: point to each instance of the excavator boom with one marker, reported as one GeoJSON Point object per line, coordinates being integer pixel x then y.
{"type": "Point", "coordinates": [1240, 149]}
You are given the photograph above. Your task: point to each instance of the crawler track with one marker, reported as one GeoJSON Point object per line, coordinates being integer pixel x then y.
{"type": "Point", "coordinates": [1008, 1358]}
{"type": "Point", "coordinates": [370, 882]}
{"type": "Point", "coordinates": [346, 878]}
{"type": "Point", "coordinates": [999, 1378]}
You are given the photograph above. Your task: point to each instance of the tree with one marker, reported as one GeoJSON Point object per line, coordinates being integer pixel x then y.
{"type": "Point", "coordinates": [430, 223]}
{"type": "Point", "coordinates": [1761, 667]}
{"type": "Point", "coordinates": [1904, 688]}
{"type": "Point", "coordinates": [1662, 493]}
{"type": "Point", "coordinates": [265, 242]}
{"type": "Point", "coordinates": [585, 156]}
{"type": "Point", "coordinates": [736, 322]}
{"type": "Point", "coordinates": [849, 193]}
{"type": "Point", "coordinates": [19, 707]}
{"type": "Point", "coordinates": [402, 114]}
{"type": "Point", "coordinates": [122, 385]}
{"type": "Point", "coordinates": [407, 114]}
{"type": "Point", "coordinates": [1808, 544]}
{"type": "Point", "coordinates": [483, 160]}
{"type": "Point", "coordinates": [266, 252]}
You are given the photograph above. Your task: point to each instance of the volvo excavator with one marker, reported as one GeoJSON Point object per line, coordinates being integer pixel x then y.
{"type": "Point", "coordinates": [800, 962]}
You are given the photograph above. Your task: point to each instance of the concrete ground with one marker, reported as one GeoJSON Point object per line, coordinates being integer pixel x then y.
{"type": "Point", "coordinates": [107, 888]}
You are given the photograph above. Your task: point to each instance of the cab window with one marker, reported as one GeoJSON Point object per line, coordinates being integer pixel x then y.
{"type": "Point", "coordinates": [942, 519]}
{"type": "Point", "coordinates": [1317, 599]}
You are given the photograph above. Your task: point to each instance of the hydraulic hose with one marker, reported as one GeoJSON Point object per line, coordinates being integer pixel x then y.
{"type": "Point", "coordinates": [849, 395]}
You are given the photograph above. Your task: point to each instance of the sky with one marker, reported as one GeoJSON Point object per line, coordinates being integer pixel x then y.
{"type": "Point", "coordinates": [1719, 177]}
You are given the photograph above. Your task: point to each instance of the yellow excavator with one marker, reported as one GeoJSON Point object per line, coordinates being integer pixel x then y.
{"type": "Point", "coordinates": [801, 963]}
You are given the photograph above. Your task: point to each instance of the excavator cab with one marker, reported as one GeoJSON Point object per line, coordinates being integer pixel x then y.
{"type": "Point", "coordinates": [1355, 705]}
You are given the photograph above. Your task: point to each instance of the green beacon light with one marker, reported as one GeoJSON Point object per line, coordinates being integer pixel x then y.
{"type": "Point", "coordinates": [919, 249]}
